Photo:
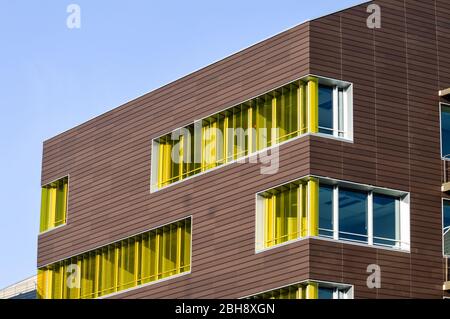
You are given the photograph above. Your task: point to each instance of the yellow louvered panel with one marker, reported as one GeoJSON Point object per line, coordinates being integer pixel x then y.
{"type": "Point", "coordinates": [157, 254]}
{"type": "Point", "coordinates": [313, 105]}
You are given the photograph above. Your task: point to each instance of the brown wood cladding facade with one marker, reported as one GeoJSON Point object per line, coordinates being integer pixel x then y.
{"type": "Point", "coordinates": [397, 72]}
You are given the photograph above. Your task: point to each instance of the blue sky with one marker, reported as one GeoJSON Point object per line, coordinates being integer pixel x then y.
{"type": "Point", "coordinates": [53, 78]}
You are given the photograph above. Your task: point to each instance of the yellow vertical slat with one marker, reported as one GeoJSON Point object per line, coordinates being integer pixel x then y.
{"type": "Point", "coordinates": [181, 157]}
{"type": "Point", "coordinates": [51, 206]}
{"type": "Point", "coordinates": [266, 222]}
{"type": "Point", "coordinates": [302, 211]}
{"type": "Point", "coordinates": [203, 150]}
{"type": "Point", "coordinates": [116, 267]}
{"type": "Point", "coordinates": [145, 256]}
{"type": "Point", "coordinates": [313, 105]}
{"type": "Point", "coordinates": [136, 260]}
{"type": "Point", "coordinates": [292, 220]}
{"type": "Point", "coordinates": [168, 164]}
{"type": "Point", "coordinates": [300, 292]}
{"type": "Point", "coordinates": [65, 203]}
{"type": "Point", "coordinates": [274, 121]}
{"type": "Point", "coordinates": [313, 207]}
{"type": "Point", "coordinates": [236, 120]}
{"type": "Point", "coordinates": [97, 275]}
{"type": "Point", "coordinates": [187, 245]}
{"type": "Point", "coordinates": [258, 124]}
{"type": "Point", "coordinates": [250, 133]}
{"type": "Point", "coordinates": [312, 290]}
{"type": "Point", "coordinates": [44, 210]}
{"type": "Point", "coordinates": [50, 279]}
{"type": "Point", "coordinates": [214, 143]}
{"type": "Point", "coordinates": [79, 278]}
{"type": "Point", "coordinates": [178, 258]}
{"type": "Point", "coordinates": [40, 284]}
{"type": "Point", "coordinates": [226, 138]}
{"type": "Point", "coordinates": [157, 255]}
{"type": "Point", "coordinates": [280, 224]}
{"type": "Point", "coordinates": [284, 110]}
{"type": "Point", "coordinates": [61, 281]}
{"type": "Point", "coordinates": [160, 164]}
{"type": "Point", "coordinates": [270, 225]}
{"type": "Point", "coordinates": [302, 109]}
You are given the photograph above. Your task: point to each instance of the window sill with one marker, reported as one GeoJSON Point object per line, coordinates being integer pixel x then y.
{"type": "Point", "coordinates": [145, 285]}
{"type": "Point", "coordinates": [52, 229]}
{"type": "Point", "coordinates": [243, 159]}
{"type": "Point", "coordinates": [338, 241]}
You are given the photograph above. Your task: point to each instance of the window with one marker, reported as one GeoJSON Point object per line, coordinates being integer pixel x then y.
{"type": "Point", "coordinates": [326, 211]}
{"type": "Point", "coordinates": [386, 220]}
{"type": "Point", "coordinates": [352, 215]}
{"type": "Point", "coordinates": [333, 112]}
{"type": "Point", "coordinates": [326, 293]}
{"type": "Point", "coordinates": [148, 257]}
{"type": "Point", "coordinates": [327, 208]}
{"type": "Point", "coordinates": [308, 290]}
{"type": "Point", "coordinates": [54, 204]}
{"type": "Point", "coordinates": [309, 105]}
{"type": "Point", "coordinates": [369, 216]}
{"type": "Point", "coordinates": [284, 211]}
{"type": "Point", "coordinates": [446, 227]}
{"type": "Point", "coordinates": [282, 214]}
{"type": "Point", "coordinates": [445, 130]}
{"type": "Point", "coordinates": [326, 109]}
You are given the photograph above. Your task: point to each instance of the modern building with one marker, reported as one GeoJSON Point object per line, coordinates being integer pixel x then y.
{"type": "Point", "coordinates": [309, 165]}
{"type": "Point", "coordinates": [25, 289]}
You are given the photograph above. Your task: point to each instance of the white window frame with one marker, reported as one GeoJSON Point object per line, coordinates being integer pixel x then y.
{"type": "Point", "coordinates": [347, 98]}
{"type": "Point", "coordinates": [67, 205]}
{"type": "Point", "coordinates": [342, 108]}
{"type": "Point", "coordinates": [402, 217]}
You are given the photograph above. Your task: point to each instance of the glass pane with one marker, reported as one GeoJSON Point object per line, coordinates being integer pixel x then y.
{"type": "Point", "coordinates": [352, 215]}
{"type": "Point", "coordinates": [325, 109]}
{"type": "Point", "coordinates": [326, 293]}
{"type": "Point", "coordinates": [446, 213]}
{"type": "Point", "coordinates": [326, 211]}
{"type": "Point", "coordinates": [445, 130]}
{"type": "Point", "coordinates": [385, 219]}
{"type": "Point", "coordinates": [446, 222]}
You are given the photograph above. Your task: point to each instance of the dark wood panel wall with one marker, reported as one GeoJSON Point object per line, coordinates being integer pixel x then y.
{"type": "Point", "coordinates": [396, 70]}
{"type": "Point", "coordinates": [108, 159]}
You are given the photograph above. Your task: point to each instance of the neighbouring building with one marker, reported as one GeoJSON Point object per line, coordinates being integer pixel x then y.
{"type": "Point", "coordinates": [25, 289]}
{"type": "Point", "coordinates": [310, 165]}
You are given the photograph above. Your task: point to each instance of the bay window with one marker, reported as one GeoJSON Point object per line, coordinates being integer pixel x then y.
{"type": "Point", "coordinates": [369, 215]}
{"type": "Point", "coordinates": [332, 209]}
{"type": "Point", "coordinates": [54, 204]}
